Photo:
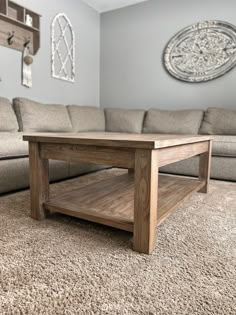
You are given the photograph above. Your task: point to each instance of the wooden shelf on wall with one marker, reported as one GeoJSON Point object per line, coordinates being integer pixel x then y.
{"type": "Point", "coordinates": [13, 21]}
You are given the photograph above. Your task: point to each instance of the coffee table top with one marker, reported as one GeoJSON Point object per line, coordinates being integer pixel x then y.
{"type": "Point", "coordinates": [109, 139]}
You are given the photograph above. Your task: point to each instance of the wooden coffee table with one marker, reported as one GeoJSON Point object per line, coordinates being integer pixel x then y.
{"type": "Point", "coordinates": [137, 201]}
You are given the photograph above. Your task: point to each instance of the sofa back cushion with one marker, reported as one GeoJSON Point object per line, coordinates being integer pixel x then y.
{"type": "Point", "coordinates": [219, 121]}
{"type": "Point", "coordinates": [86, 118]}
{"type": "Point", "coordinates": [124, 120]}
{"type": "Point", "coordinates": [8, 121]}
{"type": "Point", "coordinates": [173, 122]}
{"type": "Point", "coordinates": [33, 116]}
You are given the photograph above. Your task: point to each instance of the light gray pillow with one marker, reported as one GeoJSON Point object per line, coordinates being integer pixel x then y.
{"type": "Point", "coordinates": [219, 121]}
{"type": "Point", "coordinates": [173, 122]}
{"type": "Point", "coordinates": [8, 121]}
{"type": "Point", "coordinates": [34, 116]}
{"type": "Point", "coordinates": [124, 120]}
{"type": "Point", "coordinates": [86, 118]}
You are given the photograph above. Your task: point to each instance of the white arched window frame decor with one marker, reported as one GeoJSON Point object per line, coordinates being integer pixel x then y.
{"type": "Point", "coordinates": [63, 48]}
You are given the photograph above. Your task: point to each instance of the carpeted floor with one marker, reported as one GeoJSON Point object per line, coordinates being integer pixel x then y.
{"type": "Point", "coordinates": [67, 266]}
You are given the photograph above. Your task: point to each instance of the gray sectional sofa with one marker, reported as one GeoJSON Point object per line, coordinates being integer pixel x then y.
{"type": "Point", "coordinates": [27, 116]}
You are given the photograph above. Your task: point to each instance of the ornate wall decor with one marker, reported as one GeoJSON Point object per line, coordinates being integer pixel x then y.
{"type": "Point", "coordinates": [202, 51]}
{"type": "Point", "coordinates": [63, 48]}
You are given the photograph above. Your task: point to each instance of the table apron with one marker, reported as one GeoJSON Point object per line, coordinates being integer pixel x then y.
{"type": "Point", "coordinates": [181, 152]}
{"type": "Point", "coordinates": [120, 157]}
{"type": "Point", "coordinates": [89, 154]}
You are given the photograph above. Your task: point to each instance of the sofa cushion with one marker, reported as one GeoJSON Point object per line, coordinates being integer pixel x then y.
{"type": "Point", "coordinates": [34, 116]}
{"type": "Point", "coordinates": [124, 120]}
{"type": "Point", "coordinates": [219, 121]}
{"type": "Point", "coordinates": [224, 146]}
{"type": "Point", "coordinates": [12, 145]}
{"type": "Point", "coordinates": [173, 122]}
{"type": "Point", "coordinates": [86, 118]}
{"type": "Point", "coordinates": [221, 168]}
{"type": "Point", "coordinates": [8, 121]}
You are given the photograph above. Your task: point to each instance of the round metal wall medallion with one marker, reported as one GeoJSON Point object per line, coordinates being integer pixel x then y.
{"type": "Point", "coordinates": [202, 51]}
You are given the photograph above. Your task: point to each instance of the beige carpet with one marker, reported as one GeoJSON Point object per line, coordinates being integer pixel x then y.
{"type": "Point", "coordinates": [66, 266]}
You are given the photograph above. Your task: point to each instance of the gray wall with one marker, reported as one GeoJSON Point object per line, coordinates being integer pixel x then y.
{"type": "Point", "coordinates": [85, 90]}
{"type": "Point", "coordinates": [132, 44]}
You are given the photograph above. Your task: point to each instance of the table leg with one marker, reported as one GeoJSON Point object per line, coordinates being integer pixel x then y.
{"type": "Point", "coordinates": [131, 171]}
{"type": "Point", "coordinates": [39, 181]}
{"type": "Point", "coordinates": [145, 200]}
{"type": "Point", "coordinates": [205, 167]}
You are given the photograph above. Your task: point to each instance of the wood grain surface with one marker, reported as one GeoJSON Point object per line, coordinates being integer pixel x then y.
{"type": "Point", "coordinates": [145, 200]}
{"type": "Point", "coordinates": [205, 167]}
{"type": "Point", "coordinates": [180, 152]}
{"type": "Point", "coordinates": [111, 201]}
{"type": "Point", "coordinates": [139, 141]}
{"type": "Point", "coordinates": [39, 182]}
{"type": "Point", "coordinates": [89, 154]}
{"type": "Point", "coordinates": [135, 202]}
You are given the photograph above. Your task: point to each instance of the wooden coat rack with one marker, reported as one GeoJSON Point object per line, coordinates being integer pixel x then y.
{"type": "Point", "coordinates": [14, 32]}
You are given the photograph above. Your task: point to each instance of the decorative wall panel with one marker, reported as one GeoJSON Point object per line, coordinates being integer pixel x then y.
{"type": "Point", "coordinates": [63, 49]}
{"type": "Point", "coordinates": [202, 51]}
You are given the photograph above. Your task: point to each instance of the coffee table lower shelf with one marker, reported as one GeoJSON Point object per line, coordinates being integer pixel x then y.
{"type": "Point", "coordinates": [111, 202]}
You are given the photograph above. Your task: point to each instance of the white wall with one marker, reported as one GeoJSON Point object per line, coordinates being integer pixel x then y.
{"type": "Point", "coordinates": [132, 44]}
{"type": "Point", "coordinates": [85, 90]}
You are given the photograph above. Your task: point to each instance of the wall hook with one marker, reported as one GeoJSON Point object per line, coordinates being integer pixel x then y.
{"type": "Point", "coordinates": [10, 38]}
{"type": "Point", "coordinates": [26, 44]}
